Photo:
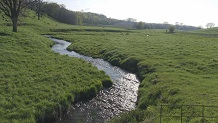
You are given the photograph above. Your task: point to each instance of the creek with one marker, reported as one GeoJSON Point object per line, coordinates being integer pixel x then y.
{"type": "Point", "coordinates": [110, 102]}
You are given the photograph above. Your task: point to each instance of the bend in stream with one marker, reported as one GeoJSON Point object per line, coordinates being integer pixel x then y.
{"type": "Point", "coordinates": [121, 97]}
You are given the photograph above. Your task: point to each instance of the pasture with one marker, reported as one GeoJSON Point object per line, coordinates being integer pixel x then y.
{"type": "Point", "coordinates": [36, 84]}
{"type": "Point", "coordinates": [175, 68]}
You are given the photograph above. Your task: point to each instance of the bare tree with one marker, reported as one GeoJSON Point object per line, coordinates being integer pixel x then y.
{"type": "Point", "coordinates": [13, 8]}
{"type": "Point", "coordinates": [39, 4]}
{"type": "Point", "coordinates": [177, 23]}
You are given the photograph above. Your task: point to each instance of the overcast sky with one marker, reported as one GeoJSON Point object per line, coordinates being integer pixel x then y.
{"type": "Point", "coordinates": [189, 12]}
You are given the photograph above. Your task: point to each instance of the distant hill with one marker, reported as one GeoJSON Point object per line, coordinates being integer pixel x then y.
{"type": "Point", "coordinates": [60, 13]}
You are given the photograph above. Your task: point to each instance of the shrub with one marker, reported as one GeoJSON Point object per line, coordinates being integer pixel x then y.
{"type": "Point", "coordinates": [172, 29]}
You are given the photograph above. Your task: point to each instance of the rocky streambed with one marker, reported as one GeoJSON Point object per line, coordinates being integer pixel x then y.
{"type": "Point", "coordinates": [121, 97]}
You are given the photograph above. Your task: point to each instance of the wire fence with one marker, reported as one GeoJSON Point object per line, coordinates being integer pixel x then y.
{"type": "Point", "coordinates": [188, 114]}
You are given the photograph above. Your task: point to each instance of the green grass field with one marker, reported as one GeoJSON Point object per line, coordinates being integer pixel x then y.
{"type": "Point", "coordinates": [207, 31]}
{"type": "Point", "coordinates": [177, 68]}
{"type": "Point", "coordinates": [36, 84]}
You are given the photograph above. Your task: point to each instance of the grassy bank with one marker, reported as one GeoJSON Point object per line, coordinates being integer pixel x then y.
{"type": "Point", "coordinates": [178, 68]}
{"type": "Point", "coordinates": [36, 84]}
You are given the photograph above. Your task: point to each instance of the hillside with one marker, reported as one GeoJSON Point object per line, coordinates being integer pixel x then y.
{"type": "Point", "coordinates": [38, 85]}
{"type": "Point", "coordinates": [60, 13]}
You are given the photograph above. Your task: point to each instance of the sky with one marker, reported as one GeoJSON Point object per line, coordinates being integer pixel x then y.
{"type": "Point", "coordinates": [188, 12]}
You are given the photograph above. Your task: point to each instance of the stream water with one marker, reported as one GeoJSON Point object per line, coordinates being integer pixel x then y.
{"type": "Point", "coordinates": [121, 97]}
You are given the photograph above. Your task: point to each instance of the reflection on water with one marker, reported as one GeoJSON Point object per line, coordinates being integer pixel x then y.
{"type": "Point", "coordinates": [121, 97]}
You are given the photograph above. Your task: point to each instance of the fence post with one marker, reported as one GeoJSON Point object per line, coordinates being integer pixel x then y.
{"type": "Point", "coordinates": [161, 108]}
{"type": "Point", "coordinates": [181, 114]}
{"type": "Point", "coordinates": [203, 113]}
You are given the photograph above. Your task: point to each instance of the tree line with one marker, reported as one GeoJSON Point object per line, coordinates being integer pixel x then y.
{"type": "Point", "coordinates": [60, 13]}
{"type": "Point", "coordinates": [143, 25]}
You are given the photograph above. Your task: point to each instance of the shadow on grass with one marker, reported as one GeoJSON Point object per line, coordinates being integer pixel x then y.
{"type": "Point", "coordinates": [4, 34]}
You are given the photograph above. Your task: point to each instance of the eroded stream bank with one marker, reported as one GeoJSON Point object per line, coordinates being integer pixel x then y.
{"type": "Point", "coordinates": [121, 97]}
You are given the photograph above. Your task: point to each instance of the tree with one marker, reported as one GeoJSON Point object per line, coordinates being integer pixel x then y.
{"type": "Point", "coordinates": [210, 25]}
{"type": "Point", "coordinates": [200, 27]}
{"type": "Point", "coordinates": [12, 9]}
{"type": "Point", "coordinates": [177, 23]}
{"type": "Point", "coordinates": [131, 20]}
{"type": "Point", "coordinates": [171, 29]}
{"type": "Point", "coordinates": [38, 6]}
{"type": "Point", "coordinates": [140, 25]}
